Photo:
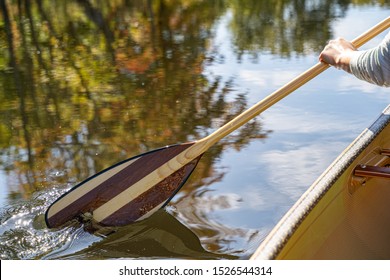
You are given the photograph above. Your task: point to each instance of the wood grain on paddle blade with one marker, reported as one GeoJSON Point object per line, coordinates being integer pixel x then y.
{"type": "Point", "coordinates": [151, 200]}
{"type": "Point", "coordinates": [96, 191]}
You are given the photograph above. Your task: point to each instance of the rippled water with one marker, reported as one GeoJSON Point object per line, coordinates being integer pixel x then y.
{"type": "Point", "coordinates": [23, 232]}
{"type": "Point", "coordinates": [100, 82]}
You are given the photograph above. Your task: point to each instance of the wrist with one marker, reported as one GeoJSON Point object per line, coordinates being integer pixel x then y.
{"type": "Point", "coordinates": [343, 61]}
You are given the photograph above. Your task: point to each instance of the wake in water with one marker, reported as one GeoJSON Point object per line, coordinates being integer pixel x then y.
{"type": "Point", "coordinates": [23, 232]}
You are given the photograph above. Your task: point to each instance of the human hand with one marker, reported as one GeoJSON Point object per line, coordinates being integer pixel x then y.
{"type": "Point", "coordinates": [338, 53]}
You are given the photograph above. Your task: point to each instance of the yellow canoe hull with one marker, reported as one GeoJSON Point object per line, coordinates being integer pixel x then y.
{"type": "Point", "coordinates": [344, 214]}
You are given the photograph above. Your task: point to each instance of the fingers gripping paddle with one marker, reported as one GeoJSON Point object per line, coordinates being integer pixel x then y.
{"type": "Point", "coordinates": [135, 188]}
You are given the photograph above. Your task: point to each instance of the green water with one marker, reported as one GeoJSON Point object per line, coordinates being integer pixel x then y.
{"type": "Point", "coordinates": [86, 84]}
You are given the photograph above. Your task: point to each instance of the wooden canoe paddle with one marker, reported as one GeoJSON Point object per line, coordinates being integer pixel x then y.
{"type": "Point", "coordinates": [135, 188]}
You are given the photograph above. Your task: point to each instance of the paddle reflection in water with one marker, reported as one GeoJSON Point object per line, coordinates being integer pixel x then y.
{"type": "Point", "coordinates": [160, 236]}
{"type": "Point", "coordinates": [24, 235]}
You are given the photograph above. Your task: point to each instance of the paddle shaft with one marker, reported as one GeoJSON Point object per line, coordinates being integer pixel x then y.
{"type": "Point", "coordinates": [205, 143]}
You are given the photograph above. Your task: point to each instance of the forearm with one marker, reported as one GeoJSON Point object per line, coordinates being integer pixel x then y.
{"type": "Point", "coordinates": [373, 65]}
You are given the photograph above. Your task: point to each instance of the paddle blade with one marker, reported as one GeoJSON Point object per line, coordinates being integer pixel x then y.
{"type": "Point", "coordinates": [126, 192]}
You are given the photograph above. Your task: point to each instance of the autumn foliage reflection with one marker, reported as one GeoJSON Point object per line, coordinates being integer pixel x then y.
{"type": "Point", "coordinates": [89, 83]}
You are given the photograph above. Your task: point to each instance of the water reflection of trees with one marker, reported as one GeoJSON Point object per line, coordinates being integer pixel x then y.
{"type": "Point", "coordinates": [87, 83]}
{"type": "Point", "coordinates": [286, 27]}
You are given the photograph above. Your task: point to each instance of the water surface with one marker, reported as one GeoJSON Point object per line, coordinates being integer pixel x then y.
{"type": "Point", "coordinates": [86, 84]}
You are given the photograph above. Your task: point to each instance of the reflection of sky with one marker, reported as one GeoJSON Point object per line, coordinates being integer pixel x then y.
{"type": "Point", "coordinates": [368, 17]}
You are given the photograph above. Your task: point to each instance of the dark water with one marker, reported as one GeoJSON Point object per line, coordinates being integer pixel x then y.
{"type": "Point", "coordinates": [86, 84]}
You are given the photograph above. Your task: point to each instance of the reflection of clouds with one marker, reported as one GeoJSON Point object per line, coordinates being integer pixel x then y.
{"type": "Point", "coordinates": [298, 160]}
{"type": "Point", "coordinates": [292, 120]}
{"type": "Point", "coordinates": [253, 198]}
{"type": "Point", "coordinates": [219, 202]}
{"type": "Point", "coordinates": [291, 172]}
{"type": "Point", "coordinates": [349, 82]}
{"type": "Point", "coordinates": [263, 78]}
{"type": "Point", "coordinates": [198, 212]}
{"type": "Point", "coordinates": [342, 27]}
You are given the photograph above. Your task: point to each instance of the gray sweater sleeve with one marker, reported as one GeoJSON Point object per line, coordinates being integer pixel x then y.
{"type": "Point", "coordinates": [373, 65]}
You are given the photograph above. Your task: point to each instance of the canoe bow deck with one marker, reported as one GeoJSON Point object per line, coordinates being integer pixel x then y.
{"type": "Point", "coordinates": [345, 214]}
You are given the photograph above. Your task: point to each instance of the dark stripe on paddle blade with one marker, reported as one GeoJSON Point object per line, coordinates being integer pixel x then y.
{"type": "Point", "coordinates": [107, 188]}
{"type": "Point", "coordinates": [147, 203]}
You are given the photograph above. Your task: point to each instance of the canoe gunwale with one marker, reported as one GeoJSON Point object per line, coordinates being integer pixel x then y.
{"type": "Point", "coordinates": [282, 232]}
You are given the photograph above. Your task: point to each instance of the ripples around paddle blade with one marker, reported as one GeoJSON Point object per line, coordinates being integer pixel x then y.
{"type": "Point", "coordinates": [23, 232]}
